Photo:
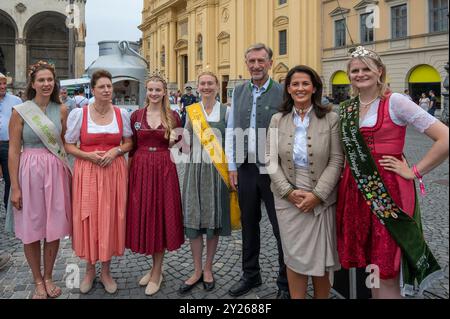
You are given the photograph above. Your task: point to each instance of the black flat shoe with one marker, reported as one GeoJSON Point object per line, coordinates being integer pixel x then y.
{"type": "Point", "coordinates": [185, 288]}
{"type": "Point", "coordinates": [208, 286]}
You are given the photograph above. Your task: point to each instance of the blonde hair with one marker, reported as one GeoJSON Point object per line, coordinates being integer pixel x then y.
{"type": "Point", "coordinates": [167, 119]}
{"type": "Point", "coordinates": [208, 73]}
{"type": "Point", "coordinates": [374, 64]}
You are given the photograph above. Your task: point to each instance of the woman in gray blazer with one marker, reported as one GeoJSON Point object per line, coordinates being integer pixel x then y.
{"type": "Point", "coordinates": [305, 159]}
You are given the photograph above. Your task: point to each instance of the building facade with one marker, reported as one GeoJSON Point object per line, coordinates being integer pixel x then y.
{"type": "Point", "coordinates": [181, 38]}
{"type": "Point", "coordinates": [42, 30]}
{"type": "Point", "coordinates": [411, 37]}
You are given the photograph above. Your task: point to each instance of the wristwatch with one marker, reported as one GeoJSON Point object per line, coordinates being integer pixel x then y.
{"type": "Point", "coordinates": [119, 150]}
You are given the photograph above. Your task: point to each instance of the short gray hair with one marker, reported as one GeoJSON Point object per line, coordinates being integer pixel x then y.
{"type": "Point", "coordinates": [258, 47]}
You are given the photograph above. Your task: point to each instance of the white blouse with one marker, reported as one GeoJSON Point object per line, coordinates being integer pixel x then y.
{"type": "Point", "coordinates": [215, 114]}
{"type": "Point", "coordinates": [75, 120]}
{"type": "Point", "coordinates": [403, 112]}
{"type": "Point", "coordinates": [300, 144]}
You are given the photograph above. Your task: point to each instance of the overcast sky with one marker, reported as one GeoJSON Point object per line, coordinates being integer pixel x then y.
{"type": "Point", "coordinates": [111, 20]}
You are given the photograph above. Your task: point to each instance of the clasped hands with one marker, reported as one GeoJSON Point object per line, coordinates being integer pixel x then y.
{"type": "Point", "coordinates": [102, 158]}
{"type": "Point", "coordinates": [303, 200]}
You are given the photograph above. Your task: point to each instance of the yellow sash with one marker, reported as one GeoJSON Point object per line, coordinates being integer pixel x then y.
{"type": "Point", "coordinates": [215, 151]}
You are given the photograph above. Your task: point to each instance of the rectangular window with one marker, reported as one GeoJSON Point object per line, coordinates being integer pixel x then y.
{"type": "Point", "coordinates": [339, 33]}
{"type": "Point", "coordinates": [366, 27]}
{"type": "Point", "coordinates": [399, 20]}
{"type": "Point", "coordinates": [283, 42]}
{"type": "Point", "coordinates": [281, 2]}
{"type": "Point", "coordinates": [438, 15]}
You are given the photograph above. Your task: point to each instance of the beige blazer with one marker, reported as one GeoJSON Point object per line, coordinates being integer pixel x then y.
{"type": "Point", "coordinates": [325, 157]}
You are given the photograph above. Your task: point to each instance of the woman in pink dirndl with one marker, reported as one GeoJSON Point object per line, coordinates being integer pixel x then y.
{"type": "Point", "coordinates": [40, 180]}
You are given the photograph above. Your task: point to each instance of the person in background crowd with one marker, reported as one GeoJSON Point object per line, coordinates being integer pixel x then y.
{"type": "Point", "coordinates": [433, 103]}
{"type": "Point", "coordinates": [187, 99]}
{"type": "Point", "coordinates": [66, 100]}
{"type": "Point", "coordinates": [7, 102]}
{"type": "Point", "coordinates": [424, 102]}
{"type": "Point", "coordinates": [80, 98]}
{"type": "Point", "coordinates": [406, 94]}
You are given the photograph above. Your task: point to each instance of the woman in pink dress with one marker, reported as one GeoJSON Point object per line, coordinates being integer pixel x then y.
{"type": "Point", "coordinates": [154, 216]}
{"type": "Point", "coordinates": [40, 180]}
{"type": "Point", "coordinates": [378, 218]}
{"type": "Point", "coordinates": [99, 181]}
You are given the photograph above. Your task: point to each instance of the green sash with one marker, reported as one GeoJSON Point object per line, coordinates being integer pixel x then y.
{"type": "Point", "coordinates": [44, 128]}
{"type": "Point", "coordinates": [418, 263]}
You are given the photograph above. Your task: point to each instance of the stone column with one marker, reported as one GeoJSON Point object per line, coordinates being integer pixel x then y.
{"type": "Point", "coordinates": [172, 60]}
{"type": "Point", "coordinates": [79, 58]}
{"type": "Point", "coordinates": [444, 115]}
{"type": "Point", "coordinates": [20, 81]}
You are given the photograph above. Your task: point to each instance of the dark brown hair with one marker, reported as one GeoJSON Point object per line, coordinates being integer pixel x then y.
{"type": "Point", "coordinates": [288, 102]}
{"type": "Point", "coordinates": [98, 75]}
{"type": "Point", "coordinates": [33, 70]}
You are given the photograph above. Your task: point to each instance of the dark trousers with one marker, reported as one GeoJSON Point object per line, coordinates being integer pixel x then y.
{"type": "Point", "coordinates": [4, 147]}
{"type": "Point", "coordinates": [254, 187]}
{"type": "Point", "coordinates": [432, 111]}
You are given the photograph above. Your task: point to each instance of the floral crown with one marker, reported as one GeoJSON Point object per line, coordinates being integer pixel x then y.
{"type": "Point", "coordinates": [361, 52]}
{"type": "Point", "coordinates": [38, 66]}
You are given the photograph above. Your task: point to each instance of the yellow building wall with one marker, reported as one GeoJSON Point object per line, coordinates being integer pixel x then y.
{"type": "Point", "coordinates": [228, 28]}
{"type": "Point", "coordinates": [401, 56]}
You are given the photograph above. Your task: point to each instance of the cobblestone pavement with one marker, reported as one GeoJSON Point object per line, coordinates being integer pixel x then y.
{"type": "Point", "coordinates": [16, 279]}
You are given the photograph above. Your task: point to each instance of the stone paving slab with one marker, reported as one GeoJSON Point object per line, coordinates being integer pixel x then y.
{"type": "Point", "coordinates": [16, 279]}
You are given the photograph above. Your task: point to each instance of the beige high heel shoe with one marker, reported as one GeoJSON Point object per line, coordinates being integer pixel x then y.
{"type": "Point", "coordinates": [153, 288]}
{"type": "Point", "coordinates": [110, 288]}
{"type": "Point", "coordinates": [86, 286]}
{"type": "Point", "coordinates": [146, 279]}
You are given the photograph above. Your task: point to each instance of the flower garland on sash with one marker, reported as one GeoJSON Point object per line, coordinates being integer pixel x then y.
{"type": "Point", "coordinates": [216, 153]}
{"type": "Point", "coordinates": [418, 263]}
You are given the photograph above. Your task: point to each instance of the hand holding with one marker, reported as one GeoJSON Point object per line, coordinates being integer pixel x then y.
{"type": "Point", "coordinates": [310, 201]}
{"type": "Point", "coordinates": [296, 197]}
{"type": "Point", "coordinates": [108, 158]}
{"type": "Point", "coordinates": [95, 157]}
{"type": "Point", "coordinates": [233, 175]}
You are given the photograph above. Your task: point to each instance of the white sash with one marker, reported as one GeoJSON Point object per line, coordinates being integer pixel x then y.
{"type": "Point", "coordinates": [44, 128]}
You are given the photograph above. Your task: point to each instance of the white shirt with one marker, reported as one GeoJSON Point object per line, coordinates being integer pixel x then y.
{"type": "Point", "coordinates": [81, 101]}
{"type": "Point", "coordinates": [301, 139]}
{"type": "Point", "coordinates": [75, 120]}
{"type": "Point", "coordinates": [403, 112]}
{"type": "Point", "coordinates": [229, 150]}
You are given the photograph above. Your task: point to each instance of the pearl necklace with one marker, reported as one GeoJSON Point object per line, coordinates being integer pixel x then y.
{"type": "Point", "coordinates": [364, 105]}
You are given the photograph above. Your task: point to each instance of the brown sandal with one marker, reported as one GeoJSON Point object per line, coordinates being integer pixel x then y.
{"type": "Point", "coordinates": [55, 292]}
{"type": "Point", "coordinates": [37, 294]}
